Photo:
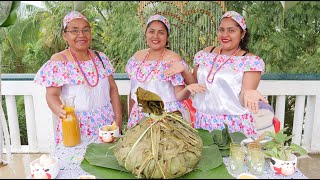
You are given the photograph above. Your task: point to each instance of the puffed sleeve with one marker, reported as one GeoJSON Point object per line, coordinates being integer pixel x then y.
{"type": "Point", "coordinates": [198, 58]}
{"type": "Point", "coordinates": [178, 79]}
{"type": "Point", "coordinates": [57, 73]}
{"type": "Point", "coordinates": [130, 67]}
{"type": "Point", "coordinates": [250, 63]}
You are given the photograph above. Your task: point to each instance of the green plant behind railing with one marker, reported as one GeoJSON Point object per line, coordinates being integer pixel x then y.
{"type": "Point", "coordinates": [8, 16]}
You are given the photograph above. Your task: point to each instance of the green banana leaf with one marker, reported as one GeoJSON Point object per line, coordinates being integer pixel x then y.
{"type": "Point", "coordinates": [105, 173]}
{"type": "Point", "coordinates": [205, 136]}
{"type": "Point", "coordinates": [102, 155]}
{"type": "Point", "coordinates": [100, 161]}
{"type": "Point", "coordinates": [210, 158]}
{"type": "Point", "coordinates": [220, 172]}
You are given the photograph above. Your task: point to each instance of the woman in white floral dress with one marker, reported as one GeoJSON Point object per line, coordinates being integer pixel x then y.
{"type": "Point", "coordinates": [231, 76]}
{"type": "Point", "coordinates": [77, 71]}
{"type": "Point", "coordinates": [146, 69]}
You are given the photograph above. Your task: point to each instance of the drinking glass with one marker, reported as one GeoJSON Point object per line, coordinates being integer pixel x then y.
{"type": "Point", "coordinates": [256, 159]}
{"type": "Point", "coordinates": [237, 155]}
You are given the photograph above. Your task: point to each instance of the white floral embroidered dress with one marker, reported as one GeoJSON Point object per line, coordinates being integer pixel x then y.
{"type": "Point", "coordinates": [220, 103]}
{"type": "Point", "coordinates": [92, 104]}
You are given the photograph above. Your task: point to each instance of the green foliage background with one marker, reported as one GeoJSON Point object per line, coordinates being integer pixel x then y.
{"type": "Point", "coordinates": [288, 41]}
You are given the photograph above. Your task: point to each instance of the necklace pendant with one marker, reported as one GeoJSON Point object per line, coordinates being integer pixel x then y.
{"type": "Point", "coordinates": [210, 79]}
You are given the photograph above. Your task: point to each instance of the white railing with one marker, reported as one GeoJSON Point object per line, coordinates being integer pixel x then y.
{"type": "Point", "coordinates": [40, 122]}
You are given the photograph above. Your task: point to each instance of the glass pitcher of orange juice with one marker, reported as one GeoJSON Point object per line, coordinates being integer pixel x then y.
{"type": "Point", "coordinates": [70, 125]}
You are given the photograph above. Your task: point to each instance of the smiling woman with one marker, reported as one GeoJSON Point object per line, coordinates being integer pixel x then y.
{"type": "Point", "coordinates": [77, 71]}
{"type": "Point", "coordinates": [146, 69]}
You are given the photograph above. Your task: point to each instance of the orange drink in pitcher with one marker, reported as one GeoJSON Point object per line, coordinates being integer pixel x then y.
{"type": "Point", "coordinates": [70, 124]}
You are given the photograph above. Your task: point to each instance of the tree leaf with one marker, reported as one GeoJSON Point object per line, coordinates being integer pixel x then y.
{"type": "Point", "coordinates": [237, 137]}
{"type": "Point", "coordinates": [210, 158]}
{"type": "Point", "coordinates": [13, 15]}
{"type": "Point", "coordinates": [205, 136]}
{"type": "Point", "coordinates": [5, 7]}
{"type": "Point", "coordinates": [298, 149]}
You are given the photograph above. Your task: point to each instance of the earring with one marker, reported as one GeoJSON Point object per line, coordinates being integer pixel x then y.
{"type": "Point", "coordinates": [168, 44]}
{"type": "Point", "coordinates": [66, 45]}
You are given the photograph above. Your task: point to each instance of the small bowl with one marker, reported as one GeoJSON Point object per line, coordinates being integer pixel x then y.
{"type": "Point", "coordinates": [285, 168]}
{"type": "Point", "coordinates": [246, 176]}
{"type": "Point", "coordinates": [87, 177]}
{"type": "Point", "coordinates": [39, 171]}
{"type": "Point", "coordinates": [107, 135]}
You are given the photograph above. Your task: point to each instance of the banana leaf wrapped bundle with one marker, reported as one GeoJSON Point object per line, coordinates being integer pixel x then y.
{"type": "Point", "coordinates": [163, 145]}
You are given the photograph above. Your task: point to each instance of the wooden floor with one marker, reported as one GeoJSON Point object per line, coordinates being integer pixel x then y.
{"type": "Point", "coordinates": [19, 168]}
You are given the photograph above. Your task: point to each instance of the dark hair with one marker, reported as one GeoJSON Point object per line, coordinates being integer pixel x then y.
{"type": "Point", "coordinates": [167, 44]}
{"type": "Point", "coordinates": [244, 41]}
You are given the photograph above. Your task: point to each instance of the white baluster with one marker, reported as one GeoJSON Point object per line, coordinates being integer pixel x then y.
{"type": "Point", "coordinates": [308, 122]}
{"type": "Point", "coordinates": [30, 122]}
{"type": "Point", "coordinates": [280, 109]}
{"type": "Point", "coordinates": [5, 131]}
{"type": "Point", "coordinates": [315, 141]}
{"type": "Point", "coordinates": [298, 119]}
{"type": "Point", "coordinates": [13, 122]}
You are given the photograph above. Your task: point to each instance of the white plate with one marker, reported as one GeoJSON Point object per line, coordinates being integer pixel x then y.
{"type": "Point", "coordinates": [249, 140]}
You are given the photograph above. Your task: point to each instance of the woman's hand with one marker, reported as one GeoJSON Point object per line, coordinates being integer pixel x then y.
{"type": "Point", "coordinates": [251, 100]}
{"type": "Point", "coordinates": [61, 113]}
{"type": "Point", "coordinates": [196, 88]}
{"type": "Point", "coordinates": [175, 67]}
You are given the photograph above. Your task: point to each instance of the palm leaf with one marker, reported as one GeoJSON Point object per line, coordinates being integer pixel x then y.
{"type": "Point", "coordinates": [11, 19]}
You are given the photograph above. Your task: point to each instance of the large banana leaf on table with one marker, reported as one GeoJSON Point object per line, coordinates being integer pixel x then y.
{"type": "Point", "coordinates": [163, 145]}
{"type": "Point", "coordinates": [99, 160]}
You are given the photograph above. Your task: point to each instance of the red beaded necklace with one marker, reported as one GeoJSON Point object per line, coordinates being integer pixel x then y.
{"type": "Point", "coordinates": [95, 66]}
{"type": "Point", "coordinates": [142, 64]}
{"type": "Point", "coordinates": [210, 79]}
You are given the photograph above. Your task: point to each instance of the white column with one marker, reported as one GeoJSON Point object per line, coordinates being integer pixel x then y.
{"type": "Point", "coordinates": [298, 119]}
{"type": "Point", "coordinates": [308, 122]}
{"type": "Point", "coordinates": [280, 109]}
{"type": "Point", "coordinates": [5, 131]}
{"type": "Point", "coordinates": [13, 121]}
{"type": "Point", "coordinates": [30, 122]}
{"type": "Point", "coordinates": [315, 141]}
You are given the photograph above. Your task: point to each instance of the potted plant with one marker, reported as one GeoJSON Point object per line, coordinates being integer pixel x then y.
{"type": "Point", "coordinates": [283, 157]}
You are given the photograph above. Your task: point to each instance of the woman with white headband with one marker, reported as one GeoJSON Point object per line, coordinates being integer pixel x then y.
{"type": "Point", "coordinates": [146, 70]}
{"type": "Point", "coordinates": [77, 71]}
{"type": "Point", "coordinates": [231, 76]}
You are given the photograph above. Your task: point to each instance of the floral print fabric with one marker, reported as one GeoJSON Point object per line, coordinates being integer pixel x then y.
{"type": "Point", "coordinates": [237, 63]}
{"type": "Point", "coordinates": [58, 73]}
{"type": "Point", "coordinates": [157, 72]}
{"type": "Point", "coordinates": [243, 123]}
